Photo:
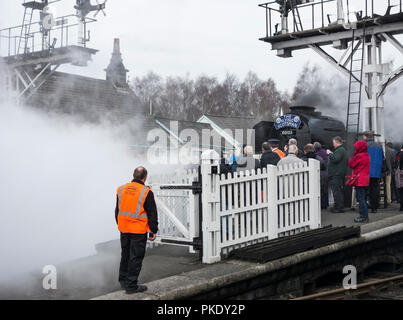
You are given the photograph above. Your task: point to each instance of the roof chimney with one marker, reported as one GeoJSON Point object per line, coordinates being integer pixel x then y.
{"type": "Point", "coordinates": [116, 46]}
{"type": "Point", "coordinates": [116, 71]}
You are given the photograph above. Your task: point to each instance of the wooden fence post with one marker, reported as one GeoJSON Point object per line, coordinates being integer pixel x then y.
{"type": "Point", "coordinates": [211, 201]}
{"type": "Point", "coordinates": [314, 194]}
{"type": "Point", "coordinates": [272, 200]}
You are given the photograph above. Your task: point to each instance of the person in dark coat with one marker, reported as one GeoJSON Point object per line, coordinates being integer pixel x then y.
{"type": "Point", "coordinates": [360, 163]}
{"type": "Point", "coordinates": [375, 152]}
{"type": "Point", "coordinates": [309, 153]}
{"type": "Point", "coordinates": [394, 190]}
{"type": "Point", "coordinates": [390, 158]}
{"type": "Point", "coordinates": [400, 166]}
{"type": "Point", "coordinates": [225, 168]}
{"type": "Point", "coordinates": [321, 152]}
{"type": "Point", "coordinates": [268, 157]}
{"type": "Point", "coordinates": [324, 183]}
{"type": "Point", "coordinates": [336, 169]}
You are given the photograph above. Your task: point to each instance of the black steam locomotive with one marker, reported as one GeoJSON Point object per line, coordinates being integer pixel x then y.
{"type": "Point", "coordinates": [303, 123]}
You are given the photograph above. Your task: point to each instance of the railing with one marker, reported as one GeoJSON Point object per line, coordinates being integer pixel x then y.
{"type": "Point", "coordinates": [322, 13]}
{"type": "Point", "coordinates": [256, 206]}
{"type": "Point", "coordinates": [63, 34]}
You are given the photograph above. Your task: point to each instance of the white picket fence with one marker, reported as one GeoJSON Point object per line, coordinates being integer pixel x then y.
{"type": "Point", "coordinates": [239, 209]}
{"type": "Point", "coordinates": [252, 207]}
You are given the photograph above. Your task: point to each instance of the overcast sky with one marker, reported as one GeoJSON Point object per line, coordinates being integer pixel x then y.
{"type": "Point", "coordinates": [176, 37]}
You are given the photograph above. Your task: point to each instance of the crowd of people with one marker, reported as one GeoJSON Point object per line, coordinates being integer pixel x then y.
{"type": "Point", "coordinates": [369, 164]}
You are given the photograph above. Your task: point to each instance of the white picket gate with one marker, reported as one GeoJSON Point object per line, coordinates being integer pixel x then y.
{"type": "Point", "coordinates": [178, 216]}
{"type": "Point", "coordinates": [240, 209]}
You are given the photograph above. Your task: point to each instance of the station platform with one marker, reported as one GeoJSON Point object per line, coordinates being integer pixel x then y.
{"type": "Point", "coordinates": [190, 284]}
{"type": "Point", "coordinates": [170, 272]}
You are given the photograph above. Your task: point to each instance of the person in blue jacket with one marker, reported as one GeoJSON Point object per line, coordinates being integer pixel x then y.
{"type": "Point", "coordinates": [376, 160]}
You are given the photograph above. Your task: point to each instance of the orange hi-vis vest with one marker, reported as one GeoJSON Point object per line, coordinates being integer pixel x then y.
{"type": "Point", "coordinates": [280, 153]}
{"type": "Point", "coordinates": [132, 217]}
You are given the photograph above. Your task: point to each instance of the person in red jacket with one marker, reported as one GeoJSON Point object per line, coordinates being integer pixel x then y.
{"type": "Point", "coordinates": [360, 163]}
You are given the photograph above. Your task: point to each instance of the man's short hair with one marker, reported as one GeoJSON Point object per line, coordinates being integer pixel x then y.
{"type": "Point", "coordinates": [309, 148]}
{"type": "Point", "coordinates": [338, 139]}
{"type": "Point", "coordinates": [266, 146]}
{"type": "Point", "coordinates": [140, 173]}
{"type": "Point", "coordinates": [369, 134]}
{"type": "Point", "coordinates": [248, 150]}
{"type": "Point", "coordinates": [317, 146]}
{"type": "Point", "coordinates": [293, 149]}
{"type": "Point", "coordinates": [292, 141]}
{"type": "Point", "coordinates": [390, 145]}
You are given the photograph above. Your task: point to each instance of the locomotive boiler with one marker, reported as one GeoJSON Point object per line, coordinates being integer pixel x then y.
{"type": "Point", "coordinates": [303, 123]}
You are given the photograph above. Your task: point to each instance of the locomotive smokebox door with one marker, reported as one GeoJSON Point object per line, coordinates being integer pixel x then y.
{"type": "Point", "coordinates": [304, 123]}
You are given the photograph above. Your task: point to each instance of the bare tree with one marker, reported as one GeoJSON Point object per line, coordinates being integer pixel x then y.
{"type": "Point", "coordinates": [187, 99]}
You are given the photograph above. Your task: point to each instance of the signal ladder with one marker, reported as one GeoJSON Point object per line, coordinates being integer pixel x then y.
{"type": "Point", "coordinates": [29, 6]}
{"type": "Point", "coordinates": [297, 17]}
{"type": "Point", "coordinates": [25, 29]}
{"type": "Point", "coordinates": [355, 85]}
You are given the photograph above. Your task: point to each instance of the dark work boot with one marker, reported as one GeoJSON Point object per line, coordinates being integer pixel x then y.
{"type": "Point", "coordinates": [140, 288]}
{"type": "Point", "coordinates": [361, 220]}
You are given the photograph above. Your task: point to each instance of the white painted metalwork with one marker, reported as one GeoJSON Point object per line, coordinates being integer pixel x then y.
{"type": "Point", "coordinates": [356, 18]}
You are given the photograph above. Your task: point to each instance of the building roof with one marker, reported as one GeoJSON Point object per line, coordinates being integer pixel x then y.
{"type": "Point", "coordinates": [233, 123]}
{"type": "Point", "coordinates": [201, 129]}
{"type": "Point", "coordinates": [223, 123]}
{"type": "Point", "coordinates": [182, 125]}
{"type": "Point", "coordinates": [89, 98]}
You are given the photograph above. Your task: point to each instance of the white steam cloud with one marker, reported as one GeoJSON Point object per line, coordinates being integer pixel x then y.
{"type": "Point", "coordinates": [57, 191]}
{"type": "Point", "coordinates": [329, 93]}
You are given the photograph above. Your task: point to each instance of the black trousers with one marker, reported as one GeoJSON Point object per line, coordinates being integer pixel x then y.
{"type": "Point", "coordinates": [394, 190]}
{"type": "Point", "coordinates": [374, 190]}
{"type": "Point", "coordinates": [324, 192]}
{"type": "Point", "coordinates": [133, 251]}
{"type": "Point", "coordinates": [337, 186]}
{"type": "Point", "coordinates": [401, 198]}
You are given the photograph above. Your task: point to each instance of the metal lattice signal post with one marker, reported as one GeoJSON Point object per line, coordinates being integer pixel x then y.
{"type": "Point", "coordinates": [34, 50]}
{"type": "Point", "coordinates": [372, 29]}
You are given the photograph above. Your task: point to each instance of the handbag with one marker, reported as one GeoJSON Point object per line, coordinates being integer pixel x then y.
{"type": "Point", "coordinates": [352, 180]}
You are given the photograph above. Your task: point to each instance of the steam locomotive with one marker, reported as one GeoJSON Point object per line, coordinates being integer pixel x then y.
{"type": "Point", "coordinates": [303, 123]}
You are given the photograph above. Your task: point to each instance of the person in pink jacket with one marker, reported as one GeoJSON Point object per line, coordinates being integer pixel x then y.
{"type": "Point", "coordinates": [360, 163]}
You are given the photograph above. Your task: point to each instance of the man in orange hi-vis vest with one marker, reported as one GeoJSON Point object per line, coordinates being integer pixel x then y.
{"type": "Point", "coordinates": [136, 214]}
{"type": "Point", "coordinates": [274, 144]}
